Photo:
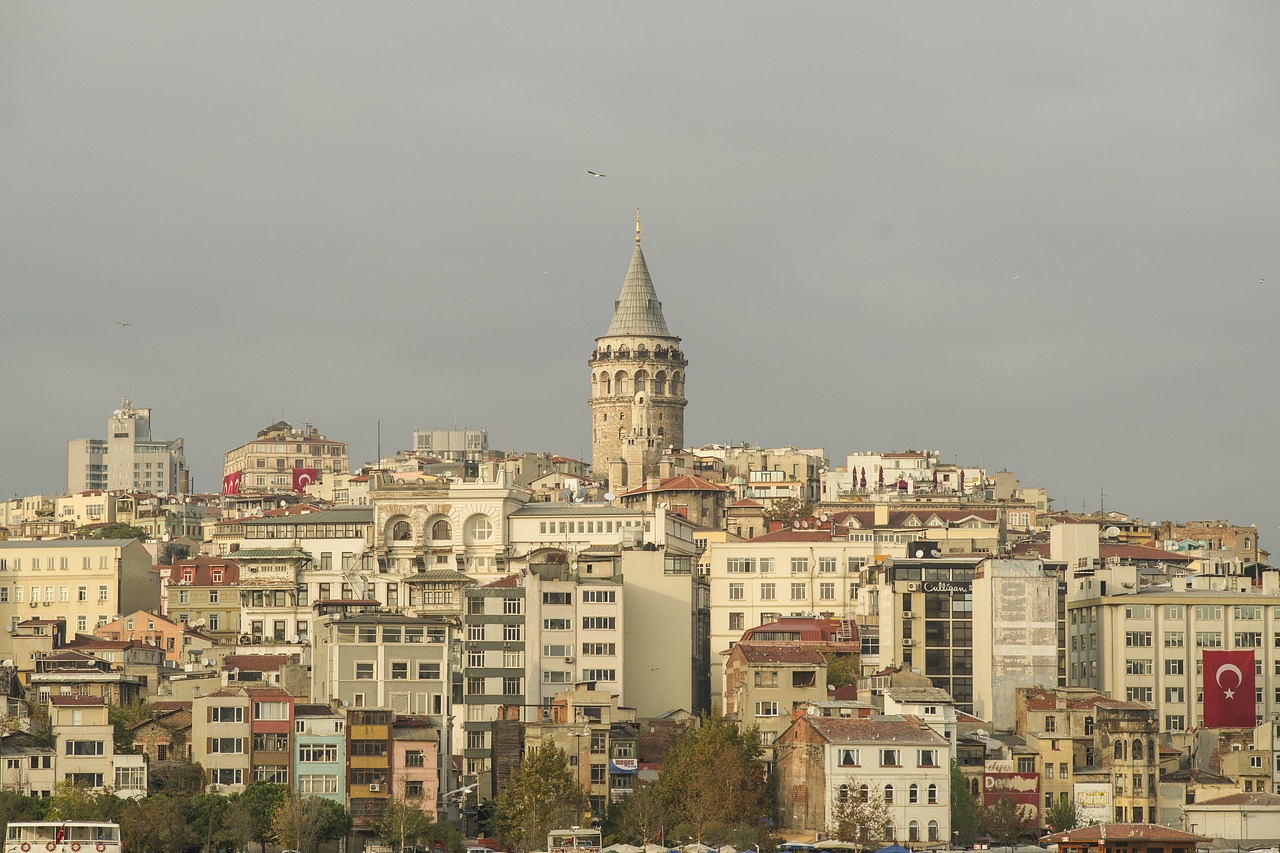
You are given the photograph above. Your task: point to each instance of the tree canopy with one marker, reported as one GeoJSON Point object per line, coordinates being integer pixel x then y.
{"type": "Point", "coordinates": [119, 530]}
{"type": "Point", "coordinates": [857, 820]}
{"type": "Point", "coordinates": [964, 807]}
{"type": "Point", "coordinates": [542, 795]}
{"type": "Point", "coordinates": [712, 782]}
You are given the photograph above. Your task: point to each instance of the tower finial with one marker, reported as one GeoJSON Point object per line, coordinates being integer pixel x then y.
{"type": "Point", "coordinates": [637, 225]}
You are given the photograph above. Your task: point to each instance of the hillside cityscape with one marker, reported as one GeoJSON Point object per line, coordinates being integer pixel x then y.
{"type": "Point", "coordinates": [716, 645]}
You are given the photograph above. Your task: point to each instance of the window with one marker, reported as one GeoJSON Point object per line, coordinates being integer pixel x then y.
{"type": "Point", "coordinates": [271, 710]}
{"type": "Point", "coordinates": [1208, 639]}
{"type": "Point", "coordinates": [364, 670]}
{"type": "Point", "coordinates": [766, 709]}
{"type": "Point", "coordinates": [511, 686]}
{"type": "Point", "coordinates": [826, 565]}
{"type": "Point", "coordinates": [1050, 723]}
{"type": "Point", "coordinates": [850, 757]}
{"type": "Point", "coordinates": [599, 596]}
{"type": "Point", "coordinates": [318, 752]}
{"type": "Point", "coordinates": [932, 795]}
{"type": "Point", "coordinates": [799, 565]}
{"type": "Point", "coordinates": [768, 591]}
{"type": "Point", "coordinates": [599, 623]}
{"type": "Point", "coordinates": [1174, 666]}
{"type": "Point", "coordinates": [317, 784]}
{"type": "Point", "coordinates": [479, 529]}
{"type": "Point", "coordinates": [890, 758]}
{"type": "Point", "coordinates": [887, 795]}
{"type": "Point", "coordinates": [226, 714]}
{"type": "Point", "coordinates": [226, 745]}
{"type": "Point", "coordinates": [827, 591]}
{"type": "Point", "coordinates": [766, 678]}
{"type": "Point", "coordinates": [429, 671]}
{"type": "Point", "coordinates": [799, 591]}
{"type": "Point", "coordinates": [84, 747]}
{"type": "Point", "coordinates": [399, 670]}
{"type": "Point", "coordinates": [737, 591]}
{"type": "Point", "coordinates": [737, 621]}
{"type": "Point", "coordinates": [1137, 639]}
{"type": "Point", "coordinates": [1174, 639]}
{"type": "Point", "coordinates": [928, 758]}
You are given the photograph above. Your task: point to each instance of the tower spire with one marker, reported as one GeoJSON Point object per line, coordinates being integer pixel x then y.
{"type": "Point", "coordinates": [637, 226]}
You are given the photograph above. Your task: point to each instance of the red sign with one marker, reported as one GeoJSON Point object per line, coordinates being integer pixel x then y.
{"type": "Point", "coordinates": [303, 477]}
{"type": "Point", "coordinates": [1229, 697]}
{"type": "Point", "coordinates": [231, 484]}
{"type": "Point", "coordinates": [1022, 788]}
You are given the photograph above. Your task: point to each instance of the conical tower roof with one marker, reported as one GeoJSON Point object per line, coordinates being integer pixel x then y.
{"type": "Point", "coordinates": [637, 311]}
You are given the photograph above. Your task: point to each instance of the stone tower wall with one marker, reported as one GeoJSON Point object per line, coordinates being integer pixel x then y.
{"type": "Point", "coordinates": [637, 403]}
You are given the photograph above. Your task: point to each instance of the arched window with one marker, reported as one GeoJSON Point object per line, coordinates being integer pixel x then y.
{"type": "Point", "coordinates": [973, 787]}
{"type": "Point", "coordinates": [479, 529]}
{"type": "Point", "coordinates": [913, 794]}
{"type": "Point", "coordinates": [933, 831]}
{"type": "Point", "coordinates": [620, 385]}
{"type": "Point", "coordinates": [660, 382]}
{"type": "Point", "coordinates": [641, 382]}
{"type": "Point", "coordinates": [890, 831]}
{"type": "Point", "coordinates": [844, 793]}
{"type": "Point", "coordinates": [660, 432]}
{"type": "Point", "coordinates": [913, 831]}
{"type": "Point", "coordinates": [677, 384]}
{"type": "Point", "coordinates": [1119, 752]}
{"type": "Point", "coordinates": [1137, 749]}
{"type": "Point", "coordinates": [1152, 755]}
{"type": "Point", "coordinates": [888, 795]}
{"type": "Point", "coordinates": [441, 531]}
{"type": "Point", "coordinates": [863, 793]}
{"type": "Point", "coordinates": [932, 794]}
{"type": "Point", "coordinates": [400, 532]}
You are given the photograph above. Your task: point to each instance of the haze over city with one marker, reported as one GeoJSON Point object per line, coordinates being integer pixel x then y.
{"type": "Point", "coordinates": [1032, 237]}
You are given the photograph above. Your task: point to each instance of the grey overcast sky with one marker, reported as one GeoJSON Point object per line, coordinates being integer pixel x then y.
{"type": "Point", "coordinates": [1030, 235]}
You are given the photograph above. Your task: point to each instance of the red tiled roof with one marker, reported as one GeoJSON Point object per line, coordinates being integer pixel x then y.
{"type": "Point", "coordinates": [1241, 798]}
{"type": "Point", "coordinates": [810, 629]}
{"type": "Point", "coordinates": [203, 571]}
{"type": "Point", "coordinates": [790, 534]}
{"type": "Point", "coordinates": [256, 663]}
{"type": "Point", "coordinates": [746, 502]}
{"type": "Point", "coordinates": [508, 582]}
{"type": "Point", "coordinates": [76, 700]}
{"type": "Point", "coordinates": [683, 483]}
{"type": "Point", "coordinates": [906, 729]}
{"type": "Point", "coordinates": [168, 705]}
{"type": "Point", "coordinates": [270, 693]}
{"type": "Point", "coordinates": [1124, 832]}
{"type": "Point", "coordinates": [1039, 699]}
{"type": "Point", "coordinates": [777, 653]}
{"type": "Point", "coordinates": [1143, 552]}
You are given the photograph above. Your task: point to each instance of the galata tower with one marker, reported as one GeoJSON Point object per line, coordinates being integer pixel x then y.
{"type": "Point", "coordinates": [637, 385]}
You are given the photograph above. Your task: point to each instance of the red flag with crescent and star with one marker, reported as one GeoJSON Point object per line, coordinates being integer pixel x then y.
{"type": "Point", "coordinates": [1229, 698]}
{"type": "Point", "coordinates": [303, 477]}
{"type": "Point", "coordinates": [231, 483]}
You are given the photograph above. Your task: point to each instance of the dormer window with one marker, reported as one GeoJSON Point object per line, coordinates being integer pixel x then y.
{"type": "Point", "coordinates": [187, 575]}
{"type": "Point", "coordinates": [217, 575]}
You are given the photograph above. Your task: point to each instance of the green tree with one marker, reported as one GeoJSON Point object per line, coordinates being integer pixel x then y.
{"type": "Point", "coordinates": [842, 669]}
{"type": "Point", "coordinates": [15, 806]}
{"type": "Point", "coordinates": [788, 510]}
{"type": "Point", "coordinates": [857, 820]}
{"type": "Point", "coordinates": [123, 718]}
{"type": "Point", "coordinates": [119, 530]}
{"type": "Point", "coordinates": [208, 815]}
{"type": "Point", "coordinates": [155, 825]}
{"type": "Point", "coordinates": [712, 779]}
{"type": "Point", "coordinates": [964, 807]}
{"type": "Point", "coordinates": [1062, 816]}
{"type": "Point", "coordinates": [262, 799]}
{"type": "Point", "coordinates": [446, 835]}
{"type": "Point", "coordinates": [77, 802]}
{"type": "Point", "coordinates": [541, 796]}
{"type": "Point", "coordinates": [180, 778]}
{"type": "Point", "coordinates": [403, 821]}
{"type": "Point", "coordinates": [240, 824]}
{"type": "Point", "coordinates": [1004, 821]}
{"type": "Point", "coordinates": [638, 818]}
{"type": "Point", "coordinates": [304, 823]}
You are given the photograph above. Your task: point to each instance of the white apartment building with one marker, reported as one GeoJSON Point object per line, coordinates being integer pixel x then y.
{"type": "Point", "coordinates": [452, 445]}
{"type": "Point", "coordinates": [128, 459]}
{"type": "Point", "coordinates": [793, 572]}
{"type": "Point", "coordinates": [1145, 644]}
{"type": "Point", "coordinates": [86, 582]}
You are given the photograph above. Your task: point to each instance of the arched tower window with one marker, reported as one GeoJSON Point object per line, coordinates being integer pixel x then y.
{"type": "Point", "coordinates": [641, 382]}
{"type": "Point", "coordinates": [401, 532]}
{"type": "Point", "coordinates": [441, 531]}
{"type": "Point", "coordinates": [1137, 749]}
{"type": "Point", "coordinates": [660, 382]}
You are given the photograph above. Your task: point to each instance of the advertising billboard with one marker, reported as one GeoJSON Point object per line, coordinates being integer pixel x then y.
{"type": "Point", "coordinates": [1093, 803]}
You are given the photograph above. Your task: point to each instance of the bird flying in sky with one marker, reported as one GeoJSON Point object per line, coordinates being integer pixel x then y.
{"type": "Point", "coordinates": [594, 174]}
{"type": "Point", "coordinates": [118, 323]}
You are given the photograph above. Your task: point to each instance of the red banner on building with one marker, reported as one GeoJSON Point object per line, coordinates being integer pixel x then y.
{"type": "Point", "coordinates": [231, 483]}
{"type": "Point", "coordinates": [1229, 697]}
{"type": "Point", "coordinates": [303, 477]}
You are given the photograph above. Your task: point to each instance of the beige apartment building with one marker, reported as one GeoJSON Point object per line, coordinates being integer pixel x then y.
{"type": "Point", "coordinates": [764, 682]}
{"type": "Point", "coordinates": [1145, 644]}
{"type": "Point", "coordinates": [267, 464]}
{"type": "Point", "coordinates": [129, 459]}
{"type": "Point", "coordinates": [221, 738]}
{"type": "Point", "coordinates": [87, 583]}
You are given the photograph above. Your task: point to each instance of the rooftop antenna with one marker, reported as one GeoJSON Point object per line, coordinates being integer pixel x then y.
{"type": "Point", "coordinates": [379, 440]}
{"type": "Point", "coordinates": [637, 226]}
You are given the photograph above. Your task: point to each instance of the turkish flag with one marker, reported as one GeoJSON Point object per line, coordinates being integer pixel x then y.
{"type": "Point", "coordinates": [303, 477]}
{"type": "Point", "coordinates": [1229, 698]}
{"type": "Point", "coordinates": [231, 484]}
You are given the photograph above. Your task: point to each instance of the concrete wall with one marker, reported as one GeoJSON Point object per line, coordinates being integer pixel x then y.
{"type": "Point", "coordinates": [1020, 603]}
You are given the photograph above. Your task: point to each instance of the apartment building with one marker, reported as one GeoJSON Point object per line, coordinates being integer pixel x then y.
{"type": "Point", "coordinates": [85, 583]}
{"type": "Point", "coordinates": [764, 682]}
{"type": "Point", "coordinates": [1144, 643]}
{"type": "Point", "coordinates": [222, 739]}
{"type": "Point", "coordinates": [84, 748]}
{"type": "Point", "coordinates": [26, 765]}
{"type": "Point", "coordinates": [814, 570]}
{"type": "Point", "coordinates": [1083, 740]}
{"type": "Point", "coordinates": [128, 459]}
{"type": "Point", "coordinates": [453, 445]}
{"type": "Point", "coordinates": [369, 782]}
{"type": "Point", "coordinates": [415, 762]}
{"type": "Point", "coordinates": [320, 752]}
{"type": "Point", "coordinates": [282, 459]}
{"type": "Point", "coordinates": [899, 760]}
{"type": "Point", "coordinates": [204, 593]}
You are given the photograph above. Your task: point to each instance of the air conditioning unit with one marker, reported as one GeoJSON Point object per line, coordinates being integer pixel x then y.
{"type": "Point", "coordinates": [568, 658]}
{"type": "Point", "coordinates": [913, 587]}
{"type": "Point", "coordinates": [374, 787]}
{"type": "Point", "coordinates": [907, 641]}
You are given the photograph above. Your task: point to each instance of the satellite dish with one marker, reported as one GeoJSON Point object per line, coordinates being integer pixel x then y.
{"type": "Point", "coordinates": [609, 496]}
{"type": "Point", "coordinates": [919, 552]}
{"type": "Point", "coordinates": [1113, 532]}
{"type": "Point", "coordinates": [831, 687]}
{"type": "Point", "coordinates": [825, 518]}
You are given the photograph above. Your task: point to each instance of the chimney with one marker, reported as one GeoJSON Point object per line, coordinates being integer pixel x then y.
{"type": "Point", "coordinates": [881, 515]}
